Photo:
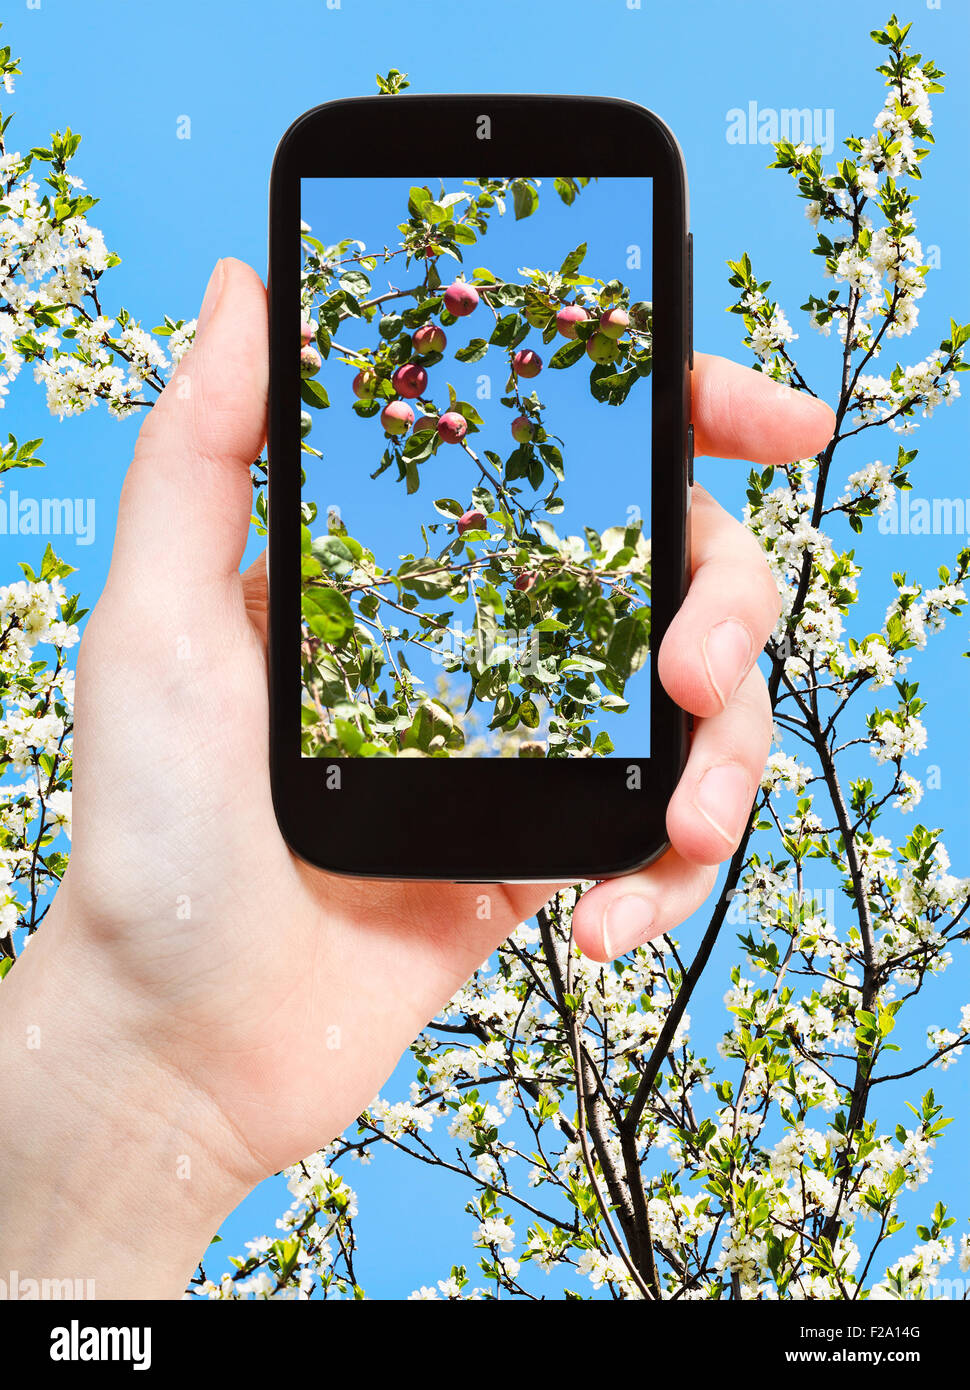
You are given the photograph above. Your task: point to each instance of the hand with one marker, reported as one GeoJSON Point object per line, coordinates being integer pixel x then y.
{"type": "Point", "coordinates": [203, 997]}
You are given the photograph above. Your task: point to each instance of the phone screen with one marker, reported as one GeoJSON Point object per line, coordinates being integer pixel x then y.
{"type": "Point", "coordinates": [475, 365]}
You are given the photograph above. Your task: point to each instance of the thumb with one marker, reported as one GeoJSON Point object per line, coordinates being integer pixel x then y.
{"type": "Point", "coordinates": [187, 498]}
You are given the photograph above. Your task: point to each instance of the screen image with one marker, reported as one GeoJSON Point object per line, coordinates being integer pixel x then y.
{"type": "Point", "coordinates": [475, 365]}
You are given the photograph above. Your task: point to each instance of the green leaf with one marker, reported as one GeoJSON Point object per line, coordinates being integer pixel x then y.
{"type": "Point", "coordinates": [568, 354]}
{"type": "Point", "coordinates": [355, 282]}
{"type": "Point", "coordinates": [333, 554]}
{"type": "Point", "coordinates": [433, 721]}
{"type": "Point", "coordinates": [518, 463]}
{"type": "Point", "coordinates": [505, 330]}
{"type": "Point", "coordinates": [314, 394]}
{"type": "Point", "coordinates": [466, 409]}
{"type": "Point", "coordinates": [525, 199]}
{"type": "Point", "coordinates": [329, 615]}
{"type": "Point", "coordinates": [53, 567]}
{"type": "Point", "coordinates": [529, 714]}
{"type": "Point", "coordinates": [573, 261]}
{"type": "Point", "coordinates": [420, 446]}
{"type": "Point", "coordinates": [424, 578]}
{"type": "Point", "coordinates": [473, 352]}
{"type": "Point", "coordinates": [614, 387]}
{"type": "Point", "coordinates": [628, 647]}
{"type": "Point", "coordinates": [553, 458]}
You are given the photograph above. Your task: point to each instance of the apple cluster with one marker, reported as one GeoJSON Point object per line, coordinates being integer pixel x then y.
{"type": "Point", "coordinates": [410, 381]}
{"type": "Point", "coordinates": [601, 347]}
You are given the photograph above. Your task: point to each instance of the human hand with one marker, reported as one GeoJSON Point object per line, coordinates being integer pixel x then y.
{"type": "Point", "coordinates": [203, 993]}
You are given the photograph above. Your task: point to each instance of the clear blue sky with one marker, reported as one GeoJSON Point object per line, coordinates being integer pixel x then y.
{"type": "Point", "coordinates": [123, 74]}
{"type": "Point", "coordinates": [610, 216]}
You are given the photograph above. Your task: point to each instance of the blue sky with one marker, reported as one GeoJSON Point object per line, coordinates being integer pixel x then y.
{"type": "Point", "coordinates": [123, 74]}
{"type": "Point", "coordinates": [610, 217]}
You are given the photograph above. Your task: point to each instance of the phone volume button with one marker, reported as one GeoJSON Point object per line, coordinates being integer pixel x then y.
{"type": "Point", "coordinates": [690, 455]}
{"type": "Point", "coordinates": [690, 300]}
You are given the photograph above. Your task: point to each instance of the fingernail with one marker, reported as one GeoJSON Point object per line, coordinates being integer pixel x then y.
{"type": "Point", "coordinates": [724, 799]}
{"type": "Point", "coordinates": [211, 297]}
{"type": "Point", "coordinates": [627, 922]}
{"type": "Point", "coordinates": [727, 655]}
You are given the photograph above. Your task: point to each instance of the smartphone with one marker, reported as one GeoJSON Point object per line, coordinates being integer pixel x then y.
{"type": "Point", "coordinates": [478, 484]}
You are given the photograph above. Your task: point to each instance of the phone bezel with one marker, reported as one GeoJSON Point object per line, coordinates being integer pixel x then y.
{"type": "Point", "coordinates": [478, 819]}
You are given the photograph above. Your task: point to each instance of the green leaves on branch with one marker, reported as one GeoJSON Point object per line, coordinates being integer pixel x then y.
{"type": "Point", "coordinates": [393, 83]}
{"type": "Point", "coordinates": [558, 627]}
{"type": "Point", "coordinates": [14, 455]}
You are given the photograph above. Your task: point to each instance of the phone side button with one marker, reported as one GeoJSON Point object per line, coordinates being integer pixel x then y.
{"type": "Point", "coordinates": [690, 455]}
{"type": "Point", "coordinates": [690, 299]}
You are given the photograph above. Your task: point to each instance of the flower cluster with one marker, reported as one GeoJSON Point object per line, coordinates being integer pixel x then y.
{"type": "Point", "coordinates": [313, 1256]}
{"type": "Point", "coordinates": [38, 627]}
{"type": "Point", "coordinates": [52, 261]}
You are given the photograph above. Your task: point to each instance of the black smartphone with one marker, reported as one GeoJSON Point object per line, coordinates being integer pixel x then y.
{"type": "Point", "coordinates": [479, 468]}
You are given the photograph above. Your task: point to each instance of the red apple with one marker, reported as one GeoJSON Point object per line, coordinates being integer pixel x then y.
{"type": "Point", "coordinates": [309, 362]}
{"type": "Point", "coordinates": [473, 520]}
{"type": "Point", "coordinates": [396, 417]}
{"type": "Point", "coordinates": [525, 582]}
{"type": "Point", "coordinates": [410, 380]}
{"type": "Point", "coordinates": [526, 363]}
{"type": "Point", "coordinates": [461, 299]}
{"type": "Point", "coordinates": [452, 427]}
{"type": "Point", "coordinates": [614, 323]}
{"type": "Point", "coordinates": [523, 430]}
{"type": "Point", "coordinates": [365, 384]}
{"type": "Point", "coordinates": [567, 319]}
{"type": "Point", "coordinates": [430, 338]}
{"type": "Point", "coordinates": [306, 332]}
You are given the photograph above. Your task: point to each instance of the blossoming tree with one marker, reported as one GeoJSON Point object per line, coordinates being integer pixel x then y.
{"type": "Point", "coordinates": [597, 1141]}
{"type": "Point", "coordinates": [51, 264]}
